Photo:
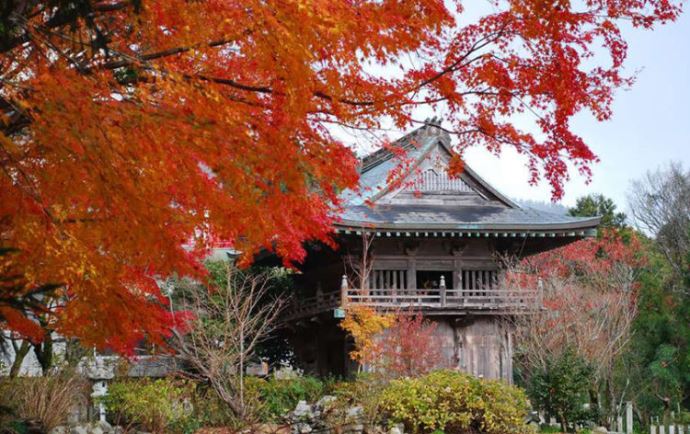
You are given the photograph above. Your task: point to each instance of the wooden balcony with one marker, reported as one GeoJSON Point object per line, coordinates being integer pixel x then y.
{"type": "Point", "coordinates": [308, 307]}
{"type": "Point", "coordinates": [463, 300]}
{"type": "Point", "coordinates": [430, 302]}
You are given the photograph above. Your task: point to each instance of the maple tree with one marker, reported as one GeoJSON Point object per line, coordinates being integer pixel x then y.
{"type": "Point", "coordinates": [409, 348]}
{"type": "Point", "coordinates": [365, 325]}
{"type": "Point", "coordinates": [589, 292]}
{"type": "Point", "coordinates": [129, 128]}
{"type": "Point", "coordinates": [403, 344]}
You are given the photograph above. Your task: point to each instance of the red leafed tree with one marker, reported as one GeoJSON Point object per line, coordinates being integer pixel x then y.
{"type": "Point", "coordinates": [132, 127]}
{"type": "Point", "coordinates": [589, 304]}
{"type": "Point", "coordinates": [409, 348]}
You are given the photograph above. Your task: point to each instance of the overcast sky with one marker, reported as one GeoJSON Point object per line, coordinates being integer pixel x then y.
{"type": "Point", "coordinates": [649, 128]}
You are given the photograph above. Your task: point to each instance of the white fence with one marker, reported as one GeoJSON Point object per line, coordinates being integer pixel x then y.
{"type": "Point", "coordinates": [624, 425]}
{"type": "Point", "coordinates": [669, 427]}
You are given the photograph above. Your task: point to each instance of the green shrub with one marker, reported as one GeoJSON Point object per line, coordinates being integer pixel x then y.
{"type": "Point", "coordinates": [455, 403]}
{"type": "Point", "coordinates": [160, 406]}
{"type": "Point", "coordinates": [561, 388]}
{"type": "Point", "coordinates": [364, 392]}
{"type": "Point", "coordinates": [211, 411]}
{"type": "Point", "coordinates": [278, 397]}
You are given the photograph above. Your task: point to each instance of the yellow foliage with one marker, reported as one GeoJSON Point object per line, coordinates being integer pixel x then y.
{"type": "Point", "coordinates": [363, 324]}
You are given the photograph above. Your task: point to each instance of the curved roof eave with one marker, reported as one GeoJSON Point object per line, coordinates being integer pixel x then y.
{"type": "Point", "coordinates": [585, 224]}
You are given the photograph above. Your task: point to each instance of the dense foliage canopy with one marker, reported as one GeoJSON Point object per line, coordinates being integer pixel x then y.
{"type": "Point", "coordinates": [130, 128]}
{"type": "Point", "coordinates": [616, 308]}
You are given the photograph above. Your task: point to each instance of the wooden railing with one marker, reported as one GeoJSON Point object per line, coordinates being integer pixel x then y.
{"type": "Point", "coordinates": [469, 299]}
{"type": "Point", "coordinates": [310, 306]}
{"type": "Point", "coordinates": [433, 301]}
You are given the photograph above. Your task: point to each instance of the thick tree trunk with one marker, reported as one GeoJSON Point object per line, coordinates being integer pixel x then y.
{"type": "Point", "coordinates": [74, 352]}
{"type": "Point", "coordinates": [44, 353]}
{"type": "Point", "coordinates": [20, 353]}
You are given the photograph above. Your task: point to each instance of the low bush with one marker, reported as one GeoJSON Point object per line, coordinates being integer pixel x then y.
{"type": "Point", "coordinates": [561, 388]}
{"type": "Point", "coordinates": [455, 403]}
{"type": "Point", "coordinates": [211, 411]}
{"type": "Point", "coordinates": [159, 406]}
{"type": "Point", "coordinates": [278, 397]}
{"type": "Point", "coordinates": [363, 393]}
{"type": "Point", "coordinates": [45, 401]}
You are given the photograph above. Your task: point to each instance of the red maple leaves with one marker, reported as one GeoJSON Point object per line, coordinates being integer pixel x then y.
{"type": "Point", "coordinates": [127, 131]}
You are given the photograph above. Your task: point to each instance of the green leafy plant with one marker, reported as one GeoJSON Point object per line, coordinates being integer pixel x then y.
{"type": "Point", "coordinates": [364, 393]}
{"type": "Point", "coordinates": [278, 396]}
{"type": "Point", "coordinates": [455, 403]}
{"type": "Point", "coordinates": [160, 406]}
{"type": "Point", "coordinates": [561, 388]}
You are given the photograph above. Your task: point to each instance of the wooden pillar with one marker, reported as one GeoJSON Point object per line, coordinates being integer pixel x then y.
{"type": "Point", "coordinates": [411, 273]}
{"type": "Point", "coordinates": [442, 290]}
{"type": "Point", "coordinates": [343, 291]}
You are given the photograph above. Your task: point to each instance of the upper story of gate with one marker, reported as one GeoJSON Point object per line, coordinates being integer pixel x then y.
{"type": "Point", "coordinates": [424, 239]}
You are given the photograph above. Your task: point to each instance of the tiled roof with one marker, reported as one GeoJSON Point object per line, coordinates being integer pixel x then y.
{"type": "Point", "coordinates": [495, 213]}
{"type": "Point", "coordinates": [450, 217]}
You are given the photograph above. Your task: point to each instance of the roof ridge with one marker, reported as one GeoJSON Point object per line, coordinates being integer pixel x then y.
{"type": "Point", "coordinates": [430, 128]}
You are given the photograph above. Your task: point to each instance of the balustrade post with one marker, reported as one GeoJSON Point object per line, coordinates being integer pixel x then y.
{"type": "Point", "coordinates": [442, 290]}
{"type": "Point", "coordinates": [540, 293]}
{"type": "Point", "coordinates": [343, 291]}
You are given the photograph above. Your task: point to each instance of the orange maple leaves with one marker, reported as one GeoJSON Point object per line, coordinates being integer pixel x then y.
{"type": "Point", "coordinates": [133, 134]}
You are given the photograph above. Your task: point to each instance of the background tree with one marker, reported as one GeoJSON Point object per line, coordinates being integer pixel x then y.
{"type": "Point", "coordinates": [409, 348]}
{"type": "Point", "coordinates": [561, 388]}
{"type": "Point", "coordinates": [135, 133]}
{"type": "Point", "coordinates": [227, 323]}
{"type": "Point", "coordinates": [598, 205]}
{"type": "Point", "coordinates": [589, 297]}
{"type": "Point", "coordinates": [660, 206]}
{"type": "Point", "coordinates": [365, 326]}
{"type": "Point", "coordinates": [655, 368]}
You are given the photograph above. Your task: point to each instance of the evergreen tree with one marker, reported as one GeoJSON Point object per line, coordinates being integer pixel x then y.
{"type": "Point", "coordinates": [599, 205]}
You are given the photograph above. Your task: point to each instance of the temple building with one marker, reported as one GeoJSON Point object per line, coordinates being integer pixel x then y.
{"type": "Point", "coordinates": [428, 243]}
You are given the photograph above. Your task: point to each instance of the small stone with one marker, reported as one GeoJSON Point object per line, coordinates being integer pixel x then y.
{"type": "Point", "coordinates": [304, 428]}
{"type": "Point", "coordinates": [325, 401]}
{"type": "Point", "coordinates": [354, 429]}
{"type": "Point", "coordinates": [303, 410]}
{"type": "Point", "coordinates": [59, 430]}
{"type": "Point", "coordinates": [395, 430]}
{"type": "Point", "coordinates": [79, 429]}
{"type": "Point", "coordinates": [102, 427]}
{"type": "Point", "coordinates": [354, 413]}
{"type": "Point", "coordinates": [600, 430]}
